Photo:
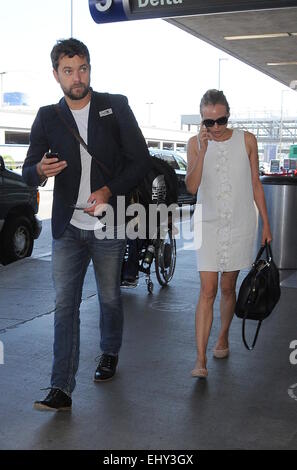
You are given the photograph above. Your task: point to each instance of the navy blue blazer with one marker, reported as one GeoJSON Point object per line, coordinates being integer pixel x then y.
{"type": "Point", "coordinates": [121, 148]}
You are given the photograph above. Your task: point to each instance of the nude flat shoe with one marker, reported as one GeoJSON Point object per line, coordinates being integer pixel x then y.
{"type": "Point", "coordinates": [221, 353]}
{"type": "Point", "coordinates": [201, 373]}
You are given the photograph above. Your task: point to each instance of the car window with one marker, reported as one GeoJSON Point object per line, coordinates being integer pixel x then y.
{"type": "Point", "coordinates": [170, 159]}
{"type": "Point", "coordinates": [181, 162]}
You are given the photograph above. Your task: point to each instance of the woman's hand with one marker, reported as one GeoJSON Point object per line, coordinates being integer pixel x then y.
{"type": "Point", "coordinates": [203, 137]}
{"type": "Point", "coordinates": [266, 234]}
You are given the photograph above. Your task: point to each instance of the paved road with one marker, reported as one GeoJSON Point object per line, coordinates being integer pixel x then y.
{"type": "Point", "coordinates": [249, 400]}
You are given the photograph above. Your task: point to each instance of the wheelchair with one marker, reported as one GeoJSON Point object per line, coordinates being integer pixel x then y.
{"type": "Point", "coordinates": [159, 252]}
{"type": "Point", "coordinates": [158, 248]}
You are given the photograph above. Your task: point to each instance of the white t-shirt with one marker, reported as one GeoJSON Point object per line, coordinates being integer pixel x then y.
{"type": "Point", "coordinates": [79, 218]}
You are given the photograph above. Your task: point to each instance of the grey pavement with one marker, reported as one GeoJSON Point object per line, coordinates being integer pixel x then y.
{"type": "Point", "coordinates": [249, 401]}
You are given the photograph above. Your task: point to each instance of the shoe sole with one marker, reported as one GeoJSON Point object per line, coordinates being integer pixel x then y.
{"type": "Point", "coordinates": [199, 373]}
{"type": "Point", "coordinates": [40, 407]}
{"type": "Point", "coordinates": [129, 287]}
{"type": "Point", "coordinates": [103, 380]}
{"type": "Point", "coordinates": [221, 353]}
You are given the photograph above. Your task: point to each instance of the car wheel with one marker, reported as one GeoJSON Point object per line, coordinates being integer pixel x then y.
{"type": "Point", "coordinates": [17, 239]}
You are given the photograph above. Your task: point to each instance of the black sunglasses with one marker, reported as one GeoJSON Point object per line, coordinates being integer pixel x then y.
{"type": "Point", "coordinates": [211, 122]}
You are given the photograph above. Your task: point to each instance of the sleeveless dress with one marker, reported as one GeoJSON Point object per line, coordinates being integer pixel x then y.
{"type": "Point", "coordinates": [229, 213]}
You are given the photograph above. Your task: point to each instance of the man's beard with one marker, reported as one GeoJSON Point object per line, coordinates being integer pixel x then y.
{"type": "Point", "coordinates": [78, 96]}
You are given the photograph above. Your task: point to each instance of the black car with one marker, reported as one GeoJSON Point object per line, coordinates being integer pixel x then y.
{"type": "Point", "coordinates": [19, 225]}
{"type": "Point", "coordinates": [179, 165]}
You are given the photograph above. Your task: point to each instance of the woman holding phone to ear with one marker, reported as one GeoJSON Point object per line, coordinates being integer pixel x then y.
{"type": "Point", "coordinates": [223, 165]}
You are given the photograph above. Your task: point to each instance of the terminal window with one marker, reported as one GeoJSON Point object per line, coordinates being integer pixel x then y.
{"type": "Point", "coordinates": [180, 147]}
{"type": "Point", "coordinates": [168, 146]}
{"type": "Point", "coordinates": [17, 138]}
{"type": "Point", "coordinates": [153, 144]}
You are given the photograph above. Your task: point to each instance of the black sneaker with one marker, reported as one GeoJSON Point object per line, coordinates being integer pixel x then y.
{"type": "Point", "coordinates": [56, 400]}
{"type": "Point", "coordinates": [106, 368]}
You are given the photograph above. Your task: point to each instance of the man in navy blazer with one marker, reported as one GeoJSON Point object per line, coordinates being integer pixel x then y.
{"type": "Point", "coordinates": [94, 148]}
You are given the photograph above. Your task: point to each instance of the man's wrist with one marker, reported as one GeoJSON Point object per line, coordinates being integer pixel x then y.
{"type": "Point", "coordinates": [42, 176]}
{"type": "Point", "coordinates": [39, 170]}
{"type": "Point", "coordinates": [107, 191]}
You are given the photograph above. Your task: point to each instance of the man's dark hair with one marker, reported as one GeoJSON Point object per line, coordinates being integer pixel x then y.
{"type": "Point", "coordinates": [214, 97]}
{"type": "Point", "coordinates": [70, 48]}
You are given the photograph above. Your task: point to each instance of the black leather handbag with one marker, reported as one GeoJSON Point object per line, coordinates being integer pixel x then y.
{"type": "Point", "coordinates": [259, 292]}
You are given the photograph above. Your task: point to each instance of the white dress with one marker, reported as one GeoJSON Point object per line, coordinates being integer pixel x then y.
{"type": "Point", "coordinates": [229, 213]}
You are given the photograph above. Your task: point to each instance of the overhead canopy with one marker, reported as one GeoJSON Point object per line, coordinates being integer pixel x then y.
{"type": "Point", "coordinates": [275, 40]}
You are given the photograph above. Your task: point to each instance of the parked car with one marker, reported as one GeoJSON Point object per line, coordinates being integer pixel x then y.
{"type": "Point", "coordinates": [19, 224]}
{"type": "Point", "coordinates": [177, 162]}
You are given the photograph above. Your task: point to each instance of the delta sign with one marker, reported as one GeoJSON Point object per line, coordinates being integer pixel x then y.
{"type": "Point", "coordinates": [108, 11]}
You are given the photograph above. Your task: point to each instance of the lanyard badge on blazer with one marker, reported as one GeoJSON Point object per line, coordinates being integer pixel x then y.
{"type": "Point", "coordinates": [105, 112]}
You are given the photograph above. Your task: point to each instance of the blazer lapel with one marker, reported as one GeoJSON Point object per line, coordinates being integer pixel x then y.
{"type": "Point", "coordinates": [67, 114]}
{"type": "Point", "coordinates": [92, 123]}
{"type": "Point", "coordinates": [97, 128]}
{"type": "Point", "coordinates": [73, 146]}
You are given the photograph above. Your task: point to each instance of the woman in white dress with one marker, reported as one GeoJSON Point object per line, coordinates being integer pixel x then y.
{"type": "Point", "coordinates": [223, 165]}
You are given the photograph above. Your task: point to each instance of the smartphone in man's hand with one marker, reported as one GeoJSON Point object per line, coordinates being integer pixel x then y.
{"type": "Point", "coordinates": [52, 155]}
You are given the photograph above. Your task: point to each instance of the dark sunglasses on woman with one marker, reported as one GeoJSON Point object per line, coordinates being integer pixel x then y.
{"type": "Point", "coordinates": [211, 122]}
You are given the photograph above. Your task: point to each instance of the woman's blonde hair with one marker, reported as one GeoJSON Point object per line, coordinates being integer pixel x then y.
{"type": "Point", "coordinates": [214, 97]}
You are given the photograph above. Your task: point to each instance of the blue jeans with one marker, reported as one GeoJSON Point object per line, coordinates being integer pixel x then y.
{"type": "Point", "coordinates": [70, 259]}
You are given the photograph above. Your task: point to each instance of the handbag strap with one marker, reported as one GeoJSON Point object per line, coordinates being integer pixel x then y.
{"type": "Point", "coordinates": [250, 348]}
{"type": "Point", "coordinates": [268, 250]}
{"type": "Point", "coordinates": [79, 138]}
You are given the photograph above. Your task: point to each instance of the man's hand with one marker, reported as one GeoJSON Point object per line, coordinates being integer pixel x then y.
{"type": "Point", "coordinates": [48, 167]}
{"type": "Point", "coordinates": [99, 200]}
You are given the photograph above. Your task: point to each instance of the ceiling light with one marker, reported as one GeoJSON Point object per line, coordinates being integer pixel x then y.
{"type": "Point", "coordinates": [259, 36]}
{"type": "Point", "coordinates": [293, 62]}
